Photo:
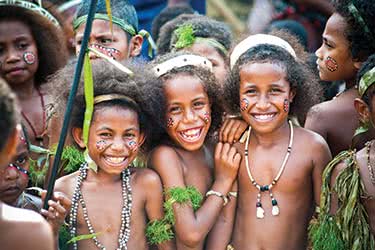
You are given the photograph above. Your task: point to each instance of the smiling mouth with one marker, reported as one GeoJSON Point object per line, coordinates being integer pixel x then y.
{"type": "Point", "coordinates": [191, 135]}
{"type": "Point", "coordinates": [264, 117]}
{"type": "Point", "coordinates": [115, 160]}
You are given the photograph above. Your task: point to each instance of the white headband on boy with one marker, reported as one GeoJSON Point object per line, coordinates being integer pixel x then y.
{"type": "Point", "coordinates": [256, 40]}
{"type": "Point", "coordinates": [181, 61]}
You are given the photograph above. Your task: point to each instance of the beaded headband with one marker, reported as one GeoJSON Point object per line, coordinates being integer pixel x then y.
{"type": "Point", "coordinates": [186, 38]}
{"type": "Point", "coordinates": [367, 80]}
{"type": "Point", "coordinates": [256, 40]}
{"type": "Point", "coordinates": [181, 61]}
{"type": "Point", "coordinates": [357, 15]}
{"type": "Point", "coordinates": [31, 6]}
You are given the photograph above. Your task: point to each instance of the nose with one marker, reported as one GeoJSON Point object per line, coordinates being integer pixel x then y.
{"type": "Point", "coordinates": [12, 56]}
{"type": "Point", "coordinates": [263, 102]}
{"type": "Point", "coordinates": [11, 173]}
{"type": "Point", "coordinates": [190, 115]}
{"type": "Point", "coordinates": [318, 52]}
{"type": "Point", "coordinates": [118, 144]}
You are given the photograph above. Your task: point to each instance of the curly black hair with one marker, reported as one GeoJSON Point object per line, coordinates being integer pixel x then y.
{"type": "Point", "coordinates": [367, 66]}
{"type": "Point", "coordinates": [203, 26]}
{"type": "Point", "coordinates": [167, 14]}
{"type": "Point", "coordinates": [362, 44]}
{"type": "Point", "coordinates": [9, 113]}
{"type": "Point", "coordinates": [209, 83]}
{"type": "Point", "coordinates": [50, 40]}
{"type": "Point", "coordinates": [109, 80]}
{"type": "Point", "coordinates": [301, 79]}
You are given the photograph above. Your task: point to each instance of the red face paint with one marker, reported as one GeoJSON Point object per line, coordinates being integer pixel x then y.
{"type": "Point", "coordinates": [286, 105]}
{"type": "Point", "coordinates": [331, 64]}
{"type": "Point", "coordinates": [170, 123]}
{"type": "Point", "coordinates": [244, 104]}
{"type": "Point", "coordinates": [132, 145]}
{"type": "Point", "coordinates": [206, 117]}
{"type": "Point", "coordinates": [101, 145]}
{"type": "Point", "coordinates": [29, 57]}
{"type": "Point", "coordinates": [111, 52]}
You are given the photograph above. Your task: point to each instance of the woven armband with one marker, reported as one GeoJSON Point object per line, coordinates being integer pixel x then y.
{"type": "Point", "coordinates": [158, 231]}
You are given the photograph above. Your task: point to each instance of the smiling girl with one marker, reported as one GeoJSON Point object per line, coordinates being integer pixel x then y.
{"type": "Point", "coordinates": [189, 113]}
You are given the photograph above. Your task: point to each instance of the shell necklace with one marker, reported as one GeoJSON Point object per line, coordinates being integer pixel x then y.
{"type": "Point", "coordinates": [275, 208]}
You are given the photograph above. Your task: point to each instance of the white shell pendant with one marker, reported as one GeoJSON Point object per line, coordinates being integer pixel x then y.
{"type": "Point", "coordinates": [275, 210]}
{"type": "Point", "coordinates": [260, 213]}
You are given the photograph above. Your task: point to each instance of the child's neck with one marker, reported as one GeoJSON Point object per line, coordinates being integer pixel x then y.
{"type": "Point", "coordinates": [25, 90]}
{"type": "Point", "coordinates": [103, 177]}
{"type": "Point", "coordinates": [270, 139]}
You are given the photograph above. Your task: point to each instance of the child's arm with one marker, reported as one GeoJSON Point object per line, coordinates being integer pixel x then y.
{"type": "Point", "coordinates": [192, 228]}
{"type": "Point", "coordinates": [322, 156]}
{"type": "Point", "coordinates": [220, 235]}
{"type": "Point", "coordinates": [154, 203]}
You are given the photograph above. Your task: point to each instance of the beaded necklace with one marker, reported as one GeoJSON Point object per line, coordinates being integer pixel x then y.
{"type": "Point", "coordinates": [77, 199]}
{"type": "Point", "coordinates": [275, 208]}
{"type": "Point", "coordinates": [369, 166]}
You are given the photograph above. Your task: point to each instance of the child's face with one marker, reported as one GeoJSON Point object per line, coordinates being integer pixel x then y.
{"type": "Point", "coordinates": [218, 62]}
{"type": "Point", "coordinates": [265, 96]}
{"type": "Point", "coordinates": [188, 111]}
{"type": "Point", "coordinates": [18, 52]}
{"type": "Point", "coordinates": [14, 179]}
{"type": "Point", "coordinates": [116, 46]}
{"type": "Point", "coordinates": [335, 60]}
{"type": "Point", "coordinates": [114, 138]}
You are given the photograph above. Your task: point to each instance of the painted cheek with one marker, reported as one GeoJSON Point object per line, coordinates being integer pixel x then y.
{"type": "Point", "coordinates": [132, 145]}
{"type": "Point", "coordinates": [170, 122]}
{"type": "Point", "coordinates": [29, 57]}
{"type": "Point", "coordinates": [101, 145]}
{"type": "Point", "coordinates": [331, 64]}
{"type": "Point", "coordinates": [244, 104]}
{"type": "Point", "coordinates": [207, 117]}
{"type": "Point", "coordinates": [286, 105]}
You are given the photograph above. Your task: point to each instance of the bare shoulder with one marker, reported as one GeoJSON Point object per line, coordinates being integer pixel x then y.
{"type": "Point", "coordinates": [310, 139]}
{"type": "Point", "coordinates": [164, 156]}
{"type": "Point", "coordinates": [66, 183]}
{"type": "Point", "coordinates": [146, 177]}
{"type": "Point", "coordinates": [15, 222]}
{"type": "Point", "coordinates": [323, 111]}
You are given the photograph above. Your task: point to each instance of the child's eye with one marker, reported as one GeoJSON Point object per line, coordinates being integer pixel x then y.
{"type": "Point", "coordinates": [129, 135]}
{"type": "Point", "coordinates": [275, 90]}
{"type": "Point", "coordinates": [250, 91]}
{"type": "Point", "coordinates": [327, 44]}
{"type": "Point", "coordinates": [199, 104]}
{"type": "Point", "coordinates": [22, 45]}
{"type": "Point", "coordinates": [21, 160]}
{"type": "Point", "coordinates": [78, 42]}
{"type": "Point", "coordinates": [105, 40]}
{"type": "Point", "coordinates": [174, 109]}
{"type": "Point", "coordinates": [105, 134]}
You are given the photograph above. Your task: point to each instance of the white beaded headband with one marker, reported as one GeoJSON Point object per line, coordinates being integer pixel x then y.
{"type": "Point", "coordinates": [256, 40]}
{"type": "Point", "coordinates": [181, 61]}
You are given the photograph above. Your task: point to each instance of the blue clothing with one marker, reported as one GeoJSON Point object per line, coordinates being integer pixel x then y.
{"type": "Point", "coordinates": [147, 10]}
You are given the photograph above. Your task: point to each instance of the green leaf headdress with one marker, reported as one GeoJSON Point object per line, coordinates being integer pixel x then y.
{"type": "Point", "coordinates": [186, 38]}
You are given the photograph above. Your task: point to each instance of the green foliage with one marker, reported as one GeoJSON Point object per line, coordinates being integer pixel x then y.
{"type": "Point", "coordinates": [185, 36]}
{"type": "Point", "coordinates": [64, 237]}
{"type": "Point", "coordinates": [348, 228]}
{"type": "Point", "coordinates": [158, 231]}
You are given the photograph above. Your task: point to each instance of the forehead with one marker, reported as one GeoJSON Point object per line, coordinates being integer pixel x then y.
{"type": "Point", "coordinates": [335, 29]}
{"type": "Point", "coordinates": [14, 28]}
{"type": "Point", "coordinates": [206, 50]}
{"type": "Point", "coordinates": [262, 73]}
{"type": "Point", "coordinates": [101, 27]}
{"type": "Point", "coordinates": [184, 86]}
{"type": "Point", "coordinates": [114, 116]}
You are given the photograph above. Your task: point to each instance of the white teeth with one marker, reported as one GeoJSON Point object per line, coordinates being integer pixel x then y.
{"type": "Point", "coordinates": [191, 134]}
{"type": "Point", "coordinates": [115, 160]}
{"type": "Point", "coordinates": [264, 117]}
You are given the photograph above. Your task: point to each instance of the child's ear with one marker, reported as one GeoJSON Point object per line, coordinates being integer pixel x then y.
{"type": "Point", "coordinates": [292, 94]}
{"type": "Point", "coordinates": [362, 110]}
{"type": "Point", "coordinates": [135, 45]}
{"type": "Point", "coordinates": [78, 137]}
{"type": "Point", "coordinates": [357, 65]}
{"type": "Point", "coordinates": [10, 147]}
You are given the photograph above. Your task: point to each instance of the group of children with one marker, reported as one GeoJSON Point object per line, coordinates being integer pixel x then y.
{"type": "Point", "coordinates": [217, 124]}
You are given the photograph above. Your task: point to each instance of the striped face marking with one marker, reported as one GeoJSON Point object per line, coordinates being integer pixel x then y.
{"type": "Point", "coordinates": [331, 64]}
{"type": "Point", "coordinates": [244, 105]}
